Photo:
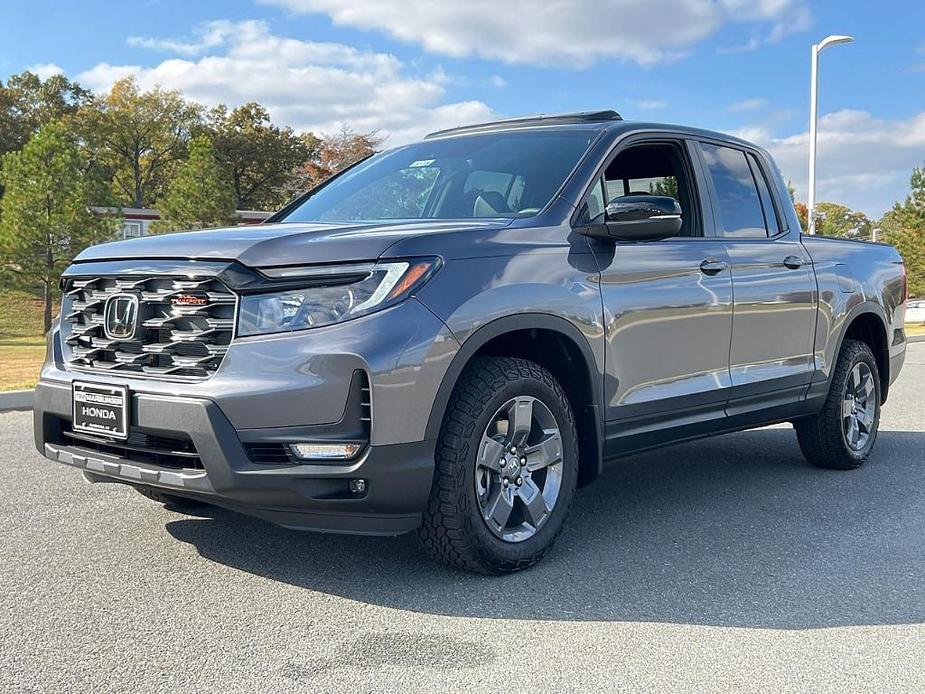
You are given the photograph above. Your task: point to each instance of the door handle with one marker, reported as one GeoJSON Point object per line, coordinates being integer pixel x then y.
{"type": "Point", "coordinates": [793, 262]}
{"type": "Point", "coordinates": [712, 266]}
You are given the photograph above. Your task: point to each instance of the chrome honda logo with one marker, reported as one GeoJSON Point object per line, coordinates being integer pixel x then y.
{"type": "Point", "coordinates": [120, 318]}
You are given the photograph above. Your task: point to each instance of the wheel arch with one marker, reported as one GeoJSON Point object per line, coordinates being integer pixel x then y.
{"type": "Point", "coordinates": [499, 338]}
{"type": "Point", "coordinates": [867, 323]}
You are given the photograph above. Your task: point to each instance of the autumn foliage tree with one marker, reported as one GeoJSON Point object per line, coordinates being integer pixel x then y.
{"type": "Point", "coordinates": [334, 153]}
{"type": "Point", "coordinates": [258, 156]}
{"type": "Point", "coordinates": [27, 102]}
{"type": "Point", "coordinates": [141, 138]}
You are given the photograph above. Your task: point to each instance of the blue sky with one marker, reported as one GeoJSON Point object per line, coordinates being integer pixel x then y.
{"type": "Point", "coordinates": [409, 66]}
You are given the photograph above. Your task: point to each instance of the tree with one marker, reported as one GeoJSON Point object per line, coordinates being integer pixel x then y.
{"type": "Point", "coordinates": [833, 219]}
{"type": "Point", "coordinates": [802, 214]}
{"type": "Point", "coordinates": [27, 103]}
{"type": "Point", "coordinates": [334, 153]}
{"type": "Point", "coordinates": [258, 157]}
{"type": "Point", "coordinates": [904, 227]}
{"type": "Point", "coordinates": [142, 137]}
{"type": "Point", "coordinates": [200, 195]}
{"type": "Point", "coordinates": [46, 217]}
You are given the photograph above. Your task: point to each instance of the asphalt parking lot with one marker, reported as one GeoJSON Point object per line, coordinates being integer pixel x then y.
{"type": "Point", "coordinates": [721, 565]}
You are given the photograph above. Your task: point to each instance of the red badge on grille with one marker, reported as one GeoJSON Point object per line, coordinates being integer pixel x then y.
{"type": "Point", "coordinates": [188, 300]}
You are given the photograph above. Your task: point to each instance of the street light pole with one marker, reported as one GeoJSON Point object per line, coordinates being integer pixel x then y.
{"type": "Point", "coordinates": [813, 116]}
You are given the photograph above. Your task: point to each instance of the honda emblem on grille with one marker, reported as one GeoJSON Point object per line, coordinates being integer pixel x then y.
{"type": "Point", "coordinates": [120, 319]}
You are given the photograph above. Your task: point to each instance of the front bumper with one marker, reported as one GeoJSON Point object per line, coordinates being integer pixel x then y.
{"type": "Point", "coordinates": [301, 496]}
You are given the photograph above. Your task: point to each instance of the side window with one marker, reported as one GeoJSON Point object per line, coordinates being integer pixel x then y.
{"type": "Point", "coordinates": [767, 203]}
{"type": "Point", "coordinates": [740, 213]}
{"type": "Point", "coordinates": [592, 209]}
{"type": "Point", "coordinates": [659, 168]}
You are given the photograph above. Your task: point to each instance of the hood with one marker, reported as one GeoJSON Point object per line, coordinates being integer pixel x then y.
{"type": "Point", "coordinates": [267, 245]}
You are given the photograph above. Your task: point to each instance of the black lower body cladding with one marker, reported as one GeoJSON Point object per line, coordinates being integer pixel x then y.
{"type": "Point", "coordinates": [301, 496]}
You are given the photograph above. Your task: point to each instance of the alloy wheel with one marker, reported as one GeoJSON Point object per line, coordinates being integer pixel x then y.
{"type": "Point", "coordinates": [859, 406]}
{"type": "Point", "coordinates": [518, 473]}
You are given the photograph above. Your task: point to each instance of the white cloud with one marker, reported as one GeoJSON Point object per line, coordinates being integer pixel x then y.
{"type": "Point", "coordinates": [209, 35]}
{"type": "Point", "coordinates": [574, 31]}
{"type": "Point", "coordinates": [308, 85]}
{"type": "Point", "coordinates": [862, 161]}
{"type": "Point", "coordinates": [747, 105]}
{"type": "Point", "coordinates": [651, 104]}
{"type": "Point", "coordinates": [45, 70]}
{"type": "Point", "coordinates": [497, 81]}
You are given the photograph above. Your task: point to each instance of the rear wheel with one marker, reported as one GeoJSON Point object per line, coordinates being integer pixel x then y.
{"type": "Point", "coordinates": [506, 468]}
{"type": "Point", "coordinates": [843, 433]}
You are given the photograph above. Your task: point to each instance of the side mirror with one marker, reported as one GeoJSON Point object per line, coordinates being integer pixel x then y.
{"type": "Point", "coordinates": [638, 218]}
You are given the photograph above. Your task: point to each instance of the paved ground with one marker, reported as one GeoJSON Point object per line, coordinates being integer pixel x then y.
{"type": "Point", "coordinates": [726, 564]}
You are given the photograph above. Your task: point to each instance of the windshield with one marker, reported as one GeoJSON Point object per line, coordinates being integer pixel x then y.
{"type": "Point", "coordinates": [509, 174]}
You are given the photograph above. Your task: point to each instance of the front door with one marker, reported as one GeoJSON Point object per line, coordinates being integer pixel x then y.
{"type": "Point", "coordinates": [667, 304]}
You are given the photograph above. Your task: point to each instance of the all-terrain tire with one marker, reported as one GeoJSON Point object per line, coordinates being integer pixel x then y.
{"type": "Point", "coordinates": [822, 437]}
{"type": "Point", "coordinates": [453, 529]}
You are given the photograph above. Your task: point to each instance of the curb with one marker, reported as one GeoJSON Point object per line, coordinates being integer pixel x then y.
{"type": "Point", "coordinates": [915, 338]}
{"type": "Point", "coordinates": [16, 400]}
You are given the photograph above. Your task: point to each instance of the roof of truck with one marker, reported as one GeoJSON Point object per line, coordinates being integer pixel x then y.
{"type": "Point", "coordinates": [599, 120]}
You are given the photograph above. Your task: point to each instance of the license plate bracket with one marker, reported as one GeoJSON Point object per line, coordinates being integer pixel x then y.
{"type": "Point", "coordinates": [99, 409]}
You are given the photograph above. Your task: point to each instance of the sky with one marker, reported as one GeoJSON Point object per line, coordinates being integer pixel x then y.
{"type": "Point", "coordinates": [408, 67]}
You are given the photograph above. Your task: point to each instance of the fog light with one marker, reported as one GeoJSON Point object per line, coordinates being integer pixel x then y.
{"type": "Point", "coordinates": [325, 451]}
{"type": "Point", "coordinates": [357, 486]}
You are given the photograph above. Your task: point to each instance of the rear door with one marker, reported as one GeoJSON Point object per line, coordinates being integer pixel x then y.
{"type": "Point", "coordinates": [774, 310]}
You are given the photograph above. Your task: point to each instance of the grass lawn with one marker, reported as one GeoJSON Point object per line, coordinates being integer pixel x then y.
{"type": "Point", "coordinates": [22, 344]}
{"type": "Point", "coordinates": [915, 329]}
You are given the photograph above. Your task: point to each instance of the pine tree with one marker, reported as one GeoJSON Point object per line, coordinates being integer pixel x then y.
{"type": "Point", "coordinates": [200, 196]}
{"type": "Point", "coordinates": [45, 215]}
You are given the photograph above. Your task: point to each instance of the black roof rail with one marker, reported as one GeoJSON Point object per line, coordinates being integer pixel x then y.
{"type": "Point", "coordinates": [529, 121]}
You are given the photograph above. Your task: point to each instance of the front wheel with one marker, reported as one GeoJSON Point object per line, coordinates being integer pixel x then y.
{"type": "Point", "coordinates": [506, 468]}
{"type": "Point", "coordinates": [843, 433]}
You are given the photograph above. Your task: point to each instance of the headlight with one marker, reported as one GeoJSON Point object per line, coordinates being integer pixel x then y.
{"type": "Point", "coordinates": [330, 294]}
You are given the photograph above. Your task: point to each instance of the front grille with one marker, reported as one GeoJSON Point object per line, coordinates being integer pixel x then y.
{"type": "Point", "coordinates": [176, 452]}
{"type": "Point", "coordinates": [183, 325]}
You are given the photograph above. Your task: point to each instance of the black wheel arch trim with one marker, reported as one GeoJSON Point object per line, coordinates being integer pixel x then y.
{"type": "Point", "coordinates": [855, 312]}
{"type": "Point", "coordinates": [512, 323]}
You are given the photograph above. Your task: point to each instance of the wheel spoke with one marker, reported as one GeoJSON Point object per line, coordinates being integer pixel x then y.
{"type": "Point", "coordinates": [490, 453]}
{"type": "Point", "coordinates": [499, 509]}
{"type": "Point", "coordinates": [534, 504]}
{"type": "Point", "coordinates": [866, 419]}
{"type": "Point", "coordinates": [854, 432]}
{"type": "Point", "coordinates": [855, 382]}
{"type": "Point", "coordinates": [866, 388]}
{"type": "Point", "coordinates": [545, 453]}
{"type": "Point", "coordinates": [520, 416]}
{"type": "Point", "coordinates": [847, 407]}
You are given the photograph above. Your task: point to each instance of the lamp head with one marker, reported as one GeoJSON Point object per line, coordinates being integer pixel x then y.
{"type": "Point", "coordinates": [832, 40]}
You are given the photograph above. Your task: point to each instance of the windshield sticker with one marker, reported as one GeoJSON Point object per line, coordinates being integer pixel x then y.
{"type": "Point", "coordinates": [421, 162]}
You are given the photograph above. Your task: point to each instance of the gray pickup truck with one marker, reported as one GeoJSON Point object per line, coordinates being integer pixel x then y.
{"type": "Point", "coordinates": [451, 336]}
